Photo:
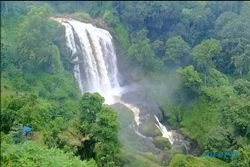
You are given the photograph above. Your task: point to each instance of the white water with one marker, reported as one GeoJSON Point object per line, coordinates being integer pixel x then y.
{"type": "Point", "coordinates": [135, 110]}
{"type": "Point", "coordinates": [96, 65]}
{"type": "Point", "coordinates": [165, 133]}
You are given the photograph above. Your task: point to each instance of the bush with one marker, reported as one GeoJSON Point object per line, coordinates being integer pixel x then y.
{"type": "Point", "coordinates": [191, 161]}
{"type": "Point", "coordinates": [31, 154]}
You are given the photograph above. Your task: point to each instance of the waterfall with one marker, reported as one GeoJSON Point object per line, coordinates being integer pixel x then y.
{"type": "Point", "coordinates": [95, 61]}
{"type": "Point", "coordinates": [94, 56]}
{"type": "Point", "coordinates": [165, 133]}
{"type": "Point", "coordinates": [95, 65]}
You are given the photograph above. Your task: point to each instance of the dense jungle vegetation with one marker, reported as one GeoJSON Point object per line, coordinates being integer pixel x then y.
{"type": "Point", "coordinates": [193, 57]}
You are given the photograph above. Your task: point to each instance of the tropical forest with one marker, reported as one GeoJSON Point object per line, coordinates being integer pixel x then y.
{"type": "Point", "coordinates": [125, 84]}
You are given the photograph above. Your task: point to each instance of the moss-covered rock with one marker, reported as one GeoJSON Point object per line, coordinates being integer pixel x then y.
{"type": "Point", "coordinates": [151, 130]}
{"type": "Point", "coordinates": [162, 142]}
{"type": "Point", "coordinates": [125, 116]}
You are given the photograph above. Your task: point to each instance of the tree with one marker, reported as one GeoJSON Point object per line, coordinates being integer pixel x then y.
{"type": "Point", "coordinates": [242, 61]}
{"type": "Point", "coordinates": [190, 80]}
{"type": "Point", "coordinates": [7, 51]}
{"type": "Point", "coordinates": [242, 87]}
{"type": "Point", "coordinates": [35, 41]}
{"type": "Point", "coordinates": [134, 14]}
{"type": "Point", "coordinates": [205, 52]}
{"type": "Point", "coordinates": [219, 138]}
{"type": "Point", "coordinates": [15, 7]}
{"type": "Point", "coordinates": [158, 47]}
{"type": "Point", "coordinates": [143, 53]}
{"type": "Point", "coordinates": [180, 160]}
{"type": "Point", "coordinates": [242, 160]}
{"type": "Point", "coordinates": [218, 7]}
{"type": "Point", "coordinates": [224, 19]}
{"type": "Point", "coordinates": [236, 113]}
{"type": "Point", "coordinates": [196, 20]}
{"type": "Point", "coordinates": [215, 78]}
{"type": "Point", "coordinates": [99, 125]}
{"type": "Point", "coordinates": [233, 130]}
{"type": "Point", "coordinates": [157, 17]}
{"type": "Point", "coordinates": [177, 51]}
{"type": "Point", "coordinates": [234, 30]}
{"type": "Point", "coordinates": [26, 154]}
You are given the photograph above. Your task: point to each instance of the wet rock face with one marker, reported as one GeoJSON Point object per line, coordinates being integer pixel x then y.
{"type": "Point", "coordinates": [148, 107]}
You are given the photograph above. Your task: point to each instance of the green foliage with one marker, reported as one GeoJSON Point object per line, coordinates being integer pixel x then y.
{"type": "Point", "coordinates": [219, 138]}
{"type": "Point", "coordinates": [90, 106]}
{"type": "Point", "coordinates": [217, 93]}
{"type": "Point", "coordinates": [216, 78]}
{"type": "Point", "coordinates": [217, 86]}
{"type": "Point", "coordinates": [196, 16]}
{"type": "Point", "coordinates": [122, 36]}
{"type": "Point", "coordinates": [158, 47]}
{"type": "Point", "coordinates": [111, 18]}
{"type": "Point", "coordinates": [142, 52]}
{"type": "Point", "coordinates": [210, 106]}
{"type": "Point", "coordinates": [132, 13]}
{"type": "Point", "coordinates": [70, 138]}
{"type": "Point", "coordinates": [242, 61]}
{"type": "Point", "coordinates": [26, 110]}
{"type": "Point", "coordinates": [235, 39]}
{"type": "Point", "coordinates": [236, 28]}
{"type": "Point", "coordinates": [199, 119]}
{"type": "Point", "coordinates": [236, 113]}
{"type": "Point", "coordinates": [8, 39]}
{"type": "Point", "coordinates": [190, 79]}
{"type": "Point", "coordinates": [175, 113]}
{"type": "Point", "coordinates": [242, 87]}
{"type": "Point", "coordinates": [191, 161]}
{"type": "Point", "coordinates": [119, 29]}
{"type": "Point", "coordinates": [54, 87]}
{"type": "Point", "coordinates": [17, 8]}
{"type": "Point", "coordinates": [177, 51]}
{"type": "Point", "coordinates": [132, 157]}
{"type": "Point", "coordinates": [31, 154]}
{"type": "Point", "coordinates": [243, 160]}
{"type": "Point", "coordinates": [205, 51]}
{"type": "Point", "coordinates": [35, 41]}
{"type": "Point", "coordinates": [224, 19]}
{"type": "Point", "coordinates": [99, 123]}
{"type": "Point", "coordinates": [232, 133]}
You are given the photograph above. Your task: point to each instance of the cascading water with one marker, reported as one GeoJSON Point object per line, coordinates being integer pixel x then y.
{"type": "Point", "coordinates": [96, 65]}
{"type": "Point", "coordinates": [165, 133]}
{"type": "Point", "coordinates": [94, 56]}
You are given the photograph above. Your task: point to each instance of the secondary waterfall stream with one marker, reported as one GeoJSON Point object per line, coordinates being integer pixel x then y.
{"type": "Point", "coordinates": [95, 67]}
